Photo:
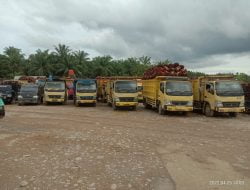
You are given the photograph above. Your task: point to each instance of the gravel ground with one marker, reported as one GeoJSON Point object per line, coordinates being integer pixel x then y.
{"type": "Point", "coordinates": [67, 147]}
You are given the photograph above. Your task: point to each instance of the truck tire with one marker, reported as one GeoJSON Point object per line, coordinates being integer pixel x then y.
{"type": "Point", "coordinates": [134, 108]}
{"type": "Point", "coordinates": [114, 107]}
{"type": "Point", "coordinates": [160, 110]}
{"type": "Point", "coordinates": [208, 111]}
{"type": "Point", "coordinates": [94, 104]}
{"type": "Point", "coordinates": [232, 114]}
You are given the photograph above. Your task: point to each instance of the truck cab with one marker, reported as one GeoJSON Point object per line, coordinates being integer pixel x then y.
{"type": "Point", "coordinates": [7, 93]}
{"type": "Point", "coordinates": [218, 94]}
{"type": "Point", "coordinates": [85, 92]}
{"type": "Point", "coordinates": [2, 109]}
{"type": "Point", "coordinates": [122, 93]}
{"type": "Point", "coordinates": [55, 92]}
{"type": "Point", "coordinates": [30, 94]}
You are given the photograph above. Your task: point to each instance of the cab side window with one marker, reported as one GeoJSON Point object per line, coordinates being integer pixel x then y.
{"type": "Point", "coordinates": [210, 88]}
{"type": "Point", "coordinates": [162, 87]}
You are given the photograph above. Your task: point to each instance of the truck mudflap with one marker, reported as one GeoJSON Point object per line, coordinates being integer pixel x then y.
{"type": "Point", "coordinates": [125, 104]}
{"type": "Point", "coordinates": [86, 101]}
{"type": "Point", "coordinates": [178, 108]}
{"type": "Point", "coordinates": [226, 110]}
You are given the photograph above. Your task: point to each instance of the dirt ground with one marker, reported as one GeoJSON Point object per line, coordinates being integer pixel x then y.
{"type": "Point", "coordinates": [68, 147]}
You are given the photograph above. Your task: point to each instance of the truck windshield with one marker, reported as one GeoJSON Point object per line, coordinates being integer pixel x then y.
{"type": "Point", "coordinates": [85, 88]}
{"type": "Point", "coordinates": [126, 86]}
{"type": "Point", "coordinates": [29, 89]}
{"type": "Point", "coordinates": [229, 88]}
{"type": "Point", "coordinates": [55, 86]}
{"type": "Point", "coordinates": [5, 88]}
{"type": "Point", "coordinates": [179, 88]}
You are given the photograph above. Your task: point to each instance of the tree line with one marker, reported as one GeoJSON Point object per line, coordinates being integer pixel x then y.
{"type": "Point", "coordinates": [57, 62]}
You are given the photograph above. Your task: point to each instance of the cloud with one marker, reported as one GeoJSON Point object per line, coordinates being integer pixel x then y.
{"type": "Point", "coordinates": [184, 31]}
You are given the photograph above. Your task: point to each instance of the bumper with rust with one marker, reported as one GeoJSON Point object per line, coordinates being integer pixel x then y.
{"type": "Point", "coordinates": [179, 108]}
{"type": "Point", "coordinates": [226, 110]}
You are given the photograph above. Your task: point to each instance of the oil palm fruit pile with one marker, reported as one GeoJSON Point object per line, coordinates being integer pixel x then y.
{"type": "Point", "coordinates": [174, 69]}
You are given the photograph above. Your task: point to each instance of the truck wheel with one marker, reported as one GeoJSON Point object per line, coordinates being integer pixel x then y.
{"type": "Point", "coordinates": [20, 104]}
{"type": "Point", "coordinates": [114, 107]}
{"type": "Point", "coordinates": [233, 114]}
{"type": "Point", "coordinates": [134, 108]}
{"type": "Point", "coordinates": [94, 104]}
{"type": "Point", "coordinates": [160, 110]}
{"type": "Point", "coordinates": [208, 111]}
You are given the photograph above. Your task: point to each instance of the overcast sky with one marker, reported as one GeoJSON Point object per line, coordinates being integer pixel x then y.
{"type": "Point", "coordinates": [205, 35]}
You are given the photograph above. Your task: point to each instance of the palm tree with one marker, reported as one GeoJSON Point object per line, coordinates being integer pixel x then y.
{"type": "Point", "coordinates": [40, 62]}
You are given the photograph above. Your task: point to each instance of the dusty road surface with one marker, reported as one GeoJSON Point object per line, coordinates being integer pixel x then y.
{"type": "Point", "coordinates": [67, 147]}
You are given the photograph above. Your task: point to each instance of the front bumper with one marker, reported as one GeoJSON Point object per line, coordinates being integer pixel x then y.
{"type": "Point", "coordinates": [28, 101]}
{"type": "Point", "coordinates": [60, 100]}
{"type": "Point", "coordinates": [226, 110]}
{"type": "Point", "coordinates": [86, 101]}
{"type": "Point", "coordinates": [126, 104]}
{"type": "Point", "coordinates": [178, 108]}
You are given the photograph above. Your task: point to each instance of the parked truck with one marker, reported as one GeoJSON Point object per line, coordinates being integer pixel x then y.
{"type": "Point", "coordinates": [168, 93]}
{"type": "Point", "coordinates": [218, 94]}
{"type": "Point", "coordinates": [85, 91]}
{"type": "Point", "coordinates": [30, 94]}
{"type": "Point", "coordinates": [2, 109]}
{"type": "Point", "coordinates": [7, 93]}
{"type": "Point", "coordinates": [122, 93]}
{"type": "Point", "coordinates": [55, 91]}
{"type": "Point", "coordinates": [246, 89]}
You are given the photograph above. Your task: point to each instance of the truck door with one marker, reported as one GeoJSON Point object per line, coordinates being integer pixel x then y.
{"type": "Point", "coordinates": [209, 94]}
{"type": "Point", "coordinates": [161, 92]}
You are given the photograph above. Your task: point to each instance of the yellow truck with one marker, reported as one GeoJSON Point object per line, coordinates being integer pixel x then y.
{"type": "Point", "coordinates": [218, 94]}
{"type": "Point", "coordinates": [168, 93]}
{"type": "Point", "coordinates": [55, 91]}
{"type": "Point", "coordinates": [122, 93]}
{"type": "Point", "coordinates": [85, 91]}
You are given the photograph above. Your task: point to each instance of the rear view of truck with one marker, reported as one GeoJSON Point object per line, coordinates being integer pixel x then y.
{"type": "Point", "coordinates": [85, 91]}
{"type": "Point", "coordinates": [218, 94]}
{"type": "Point", "coordinates": [122, 93]}
{"type": "Point", "coordinates": [55, 92]}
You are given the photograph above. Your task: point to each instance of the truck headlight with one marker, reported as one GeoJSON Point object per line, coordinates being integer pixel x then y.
{"type": "Point", "coordinates": [190, 103]}
{"type": "Point", "coordinates": [9, 95]}
{"type": "Point", "coordinates": [35, 97]}
{"type": "Point", "coordinates": [20, 97]}
{"type": "Point", "coordinates": [242, 103]}
{"type": "Point", "coordinates": [117, 100]}
{"type": "Point", "coordinates": [218, 104]}
{"type": "Point", "coordinates": [168, 103]}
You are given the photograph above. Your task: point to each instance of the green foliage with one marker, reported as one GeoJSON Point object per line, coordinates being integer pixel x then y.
{"type": "Point", "coordinates": [59, 61]}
